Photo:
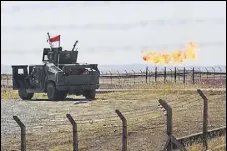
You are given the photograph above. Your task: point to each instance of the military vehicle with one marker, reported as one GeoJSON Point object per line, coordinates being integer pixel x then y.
{"type": "Point", "coordinates": [59, 75]}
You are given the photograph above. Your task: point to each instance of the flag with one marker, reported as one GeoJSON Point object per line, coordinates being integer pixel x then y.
{"type": "Point", "coordinates": [54, 39]}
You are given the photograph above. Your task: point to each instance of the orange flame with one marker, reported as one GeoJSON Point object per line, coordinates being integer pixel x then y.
{"type": "Point", "coordinates": [176, 57]}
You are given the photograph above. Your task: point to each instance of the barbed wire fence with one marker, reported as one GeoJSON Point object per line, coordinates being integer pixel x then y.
{"type": "Point", "coordinates": [184, 76]}
{"type": "Point", "coordinates": [126, 128]}
{"type": "Point", "coordinates": [130, 79]}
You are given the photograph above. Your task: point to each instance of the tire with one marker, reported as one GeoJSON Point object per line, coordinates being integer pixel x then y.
{"type": "Point", "coordinates": [52, 92]}
{"type": "Point", "coordinates": [62, 95]}
{"type": "Point", "coordinates": [24, 95]}
{"type": "Point", "coordinates": [90, 94]}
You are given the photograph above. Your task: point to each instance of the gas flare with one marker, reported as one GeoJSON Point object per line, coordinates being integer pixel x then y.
{"type": "Point", "coordinates": [176, 57]}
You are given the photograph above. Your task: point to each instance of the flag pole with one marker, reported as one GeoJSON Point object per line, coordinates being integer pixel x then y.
{"type": "Point", "coordinates": [59, 47]}
{"type": "Point", "coordinates": [49, 40]}
{"type": "Point", "coordinates": [59, 40]}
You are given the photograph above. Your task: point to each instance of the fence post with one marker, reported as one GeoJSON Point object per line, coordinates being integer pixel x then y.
{"type": "Point", "coordinates": [171, 72]}
{"type": "Point", "coordinates": [220, 72]}
{"type": "Point", "coordinates": [175, 75]}
{"type": "Point", "coordinates": [7, 81]}
{"type": "Point", "coordinates": [184, 77]}
{"type": "Point", "coordinates": [207, 72]}
{"type": "Point", "coordinates": [171, 140]}
{"type": "Point", "coordinates": [126, 76]}
{"type": "Point", "coordinates": [149, 75]}
{"type": "Point", "coordinates": [23, 133]}
{"type": "Point", "coordinates": [124, 130]}
{"type": "Point", "coordinates": [134, 77]}
{"type": "Point", "coordinates": [155, 74]}
{"type": "Point", "coordinates": [107, 79]}
{"type": "Point", "coordinates": [146, 74]}
{"type": "Point", "coordinates": [119, 77]}
{"type": "Point", "coordinates": [200, 74]}
{"type": "Point", "coordinates": [141, 75]}
{"type": "Point", "coordinates": [193, 75]}
{"type": "Point", "coordinates": [214, 71]}
{"type": "Point", "coordinates": [110, 78]}
{"type": "Point", "coordinates": [205, 119]}
{"type": "Point", "coordinates": [164, 74]}
{"type": "Point", "coordinates": [75, 136]}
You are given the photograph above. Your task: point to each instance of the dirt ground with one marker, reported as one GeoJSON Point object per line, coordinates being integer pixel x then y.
{"type": "Point", "coordinates": [99, 127]}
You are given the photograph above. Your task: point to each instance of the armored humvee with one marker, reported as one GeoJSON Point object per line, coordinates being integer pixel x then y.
{"type": "Point", "coordinates": [59, 75]}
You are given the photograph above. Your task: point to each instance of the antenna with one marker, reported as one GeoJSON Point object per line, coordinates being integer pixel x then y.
{"type": "Point", "coordinates": [75, 45]}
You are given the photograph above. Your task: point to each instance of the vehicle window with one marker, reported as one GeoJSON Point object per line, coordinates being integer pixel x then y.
{"type": "Point", "coordinates": [20, 71]}
{"type": "Point", "coordinates": [45, 58]}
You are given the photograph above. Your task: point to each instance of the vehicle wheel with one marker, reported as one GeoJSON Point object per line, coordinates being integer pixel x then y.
{"type": "Point", "coordinates": [90, 94]}
{"type": "Point", "coordinates": [52, 92]}
{"type": "Point", "coordinates": [24, 95]}
{"type": "Point", "coordinates": [62, 95]}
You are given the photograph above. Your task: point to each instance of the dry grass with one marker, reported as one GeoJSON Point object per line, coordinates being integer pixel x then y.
{"type": "Point", "coordinates": [100, 129]}
{"type": "Point", "coordinates": [10, 94]}
{"type": "Point", "coordinates": [216, 144]}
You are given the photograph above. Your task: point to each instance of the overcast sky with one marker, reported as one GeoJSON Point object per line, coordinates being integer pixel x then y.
{"type": "Point", "coordinates": [113, 32]}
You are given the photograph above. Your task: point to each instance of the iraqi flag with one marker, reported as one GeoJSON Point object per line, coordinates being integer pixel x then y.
{"type": "Point", "coordinates": [54, 41]}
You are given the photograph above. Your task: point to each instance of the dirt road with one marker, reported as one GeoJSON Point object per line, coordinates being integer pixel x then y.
{"type": "Point", "coordinates": [98, 125]}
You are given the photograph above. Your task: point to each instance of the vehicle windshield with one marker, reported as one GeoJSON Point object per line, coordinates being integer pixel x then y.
{"type": "Point", "coordinates": [53, 68]}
